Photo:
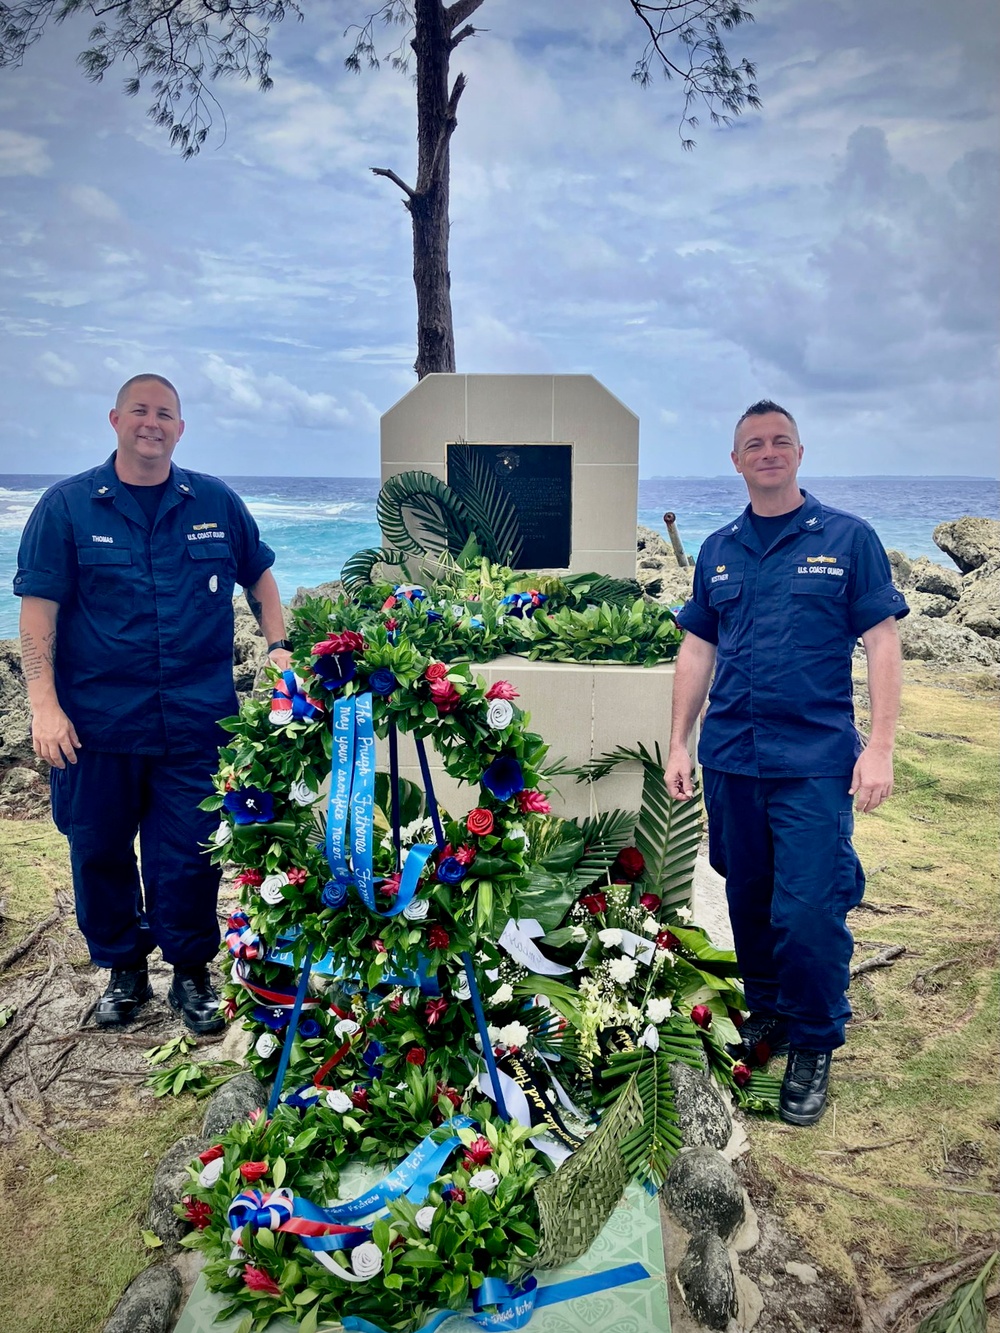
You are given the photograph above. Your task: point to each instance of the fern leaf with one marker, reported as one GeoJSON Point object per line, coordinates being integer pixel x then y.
{"type": "Point", "coordinates": [494, 515]}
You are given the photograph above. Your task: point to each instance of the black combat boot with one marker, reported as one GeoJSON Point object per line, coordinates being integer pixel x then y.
{"type": "Point", "coordinates": [193, 996]}
{"type": "Point", "coordinates": [126, 992]}
{"type": "Point", "coordinates": [761, 1036]}
{"type": "Point", "coordinates": [803, 1089]}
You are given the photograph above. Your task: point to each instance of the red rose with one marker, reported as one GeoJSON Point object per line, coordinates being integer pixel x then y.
{"type": "Point", "coordinates": [297, 876]}
{"type": "Point", "coordinates": [210, 1154]}
{"type": "Point", "coordinates": [651, 902]}
{"type": "Point", "coordinates": [501, 689]}
{"type": "Point", "coordinates": [257, 1280]}
{"type": "Point", "coordinates": [741, 1075]}
{"type": "Point", "coordinates": [479, 821]}
{"type": "Point", "coordinates": [595, 903]}
{"type": "Point", "coordinates": [444, 696]}
{"type": "Point", "coordinates": [251, 1171]}
{"type": "Point", "coordinates": [701, 1016]}
{"type": "Point", "coordinates": [533, 803]}
{"type": "Point", "coordinates": [416, 1056]}
{"type": "Point", "coordinates": [629, 862]}
{"type": "Point", "coordinates": [197, 1212]}
{"type": "Point", "coordinates": [667, 940]}
{"type": "Point", "coordinates": [438, 938]}
{"type": "Point", "coordinates": [435, 671]}
{"type": "Point", "coordinates": [465, 855]}
{"type": "Point", "coordinates": [359, 1097]}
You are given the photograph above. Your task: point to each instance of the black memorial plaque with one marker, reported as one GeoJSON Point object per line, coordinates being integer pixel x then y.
{"type": "Point", "coordinates": [539, 480]}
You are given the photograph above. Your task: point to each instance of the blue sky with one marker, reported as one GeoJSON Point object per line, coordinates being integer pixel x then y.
{"type": "Point", "coordinates": [836, 251]}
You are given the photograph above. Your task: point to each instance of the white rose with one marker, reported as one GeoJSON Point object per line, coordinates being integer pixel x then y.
{"type": "Point", "coordinates": [610, 938]}
{"type": "Point", "coordinates": [503, 994]}
{"type": "Point", "coordinates": [366, 1259]}
{"type": "Point", "coordinates": [222, 835]}
{"type": "Point", "coordinates": [658, 1011]}
{"type": "Point", "coordinates": [651, 926]}
{"type": "Point", "coordinates": [425, 1217]}
{"type": "Point", "coordinates": [346, 1027]}
{"type": "Point", "coordinates": [500, 714]}
{"type": "Point", "coordinates": [338, 1101]}
{"type": "Point", "coordinates": [416, 910]}
{"type": "Point", "coordinates": [301, 793]}
{"type": "Point", "coordinates": [272, 888]}
{"type": "Point", "coordinates": [266, 1045]}
{"type": "Point", "coordinates": [514, 1034]}
{"type": "Point", "coordinates": [650, 1038]}
{"type": "Point", "coordinates": [487, 1181]}
{"type": "Point", "coordinates": [621, 970]}
{"type": "Point", "coordinates": [210, 1173]}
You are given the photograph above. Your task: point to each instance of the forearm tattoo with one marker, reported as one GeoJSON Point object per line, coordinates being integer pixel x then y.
{"type": "Point", "coordinates": [37, 655]}
{"type": "Point", "coordinates": [256, 610]}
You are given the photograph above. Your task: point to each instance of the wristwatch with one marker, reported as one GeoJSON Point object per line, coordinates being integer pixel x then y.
{"type": "Point", "coordinates": [279, 643]}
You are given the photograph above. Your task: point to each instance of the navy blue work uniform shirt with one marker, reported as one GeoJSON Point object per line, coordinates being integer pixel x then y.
{"type": "Point", "coordinates": [785, 621]}
{"type": "Point", "coordinates": [144, 642]}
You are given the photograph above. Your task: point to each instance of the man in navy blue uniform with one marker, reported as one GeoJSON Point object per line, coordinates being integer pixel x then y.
{"type": "Point", "coordinates": [126, 574]}
{"type": "Point", "coordinates": [780, 597]}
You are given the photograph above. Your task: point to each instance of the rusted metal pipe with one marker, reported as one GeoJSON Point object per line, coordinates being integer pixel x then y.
{"type": "Point", "coordinates": [670, 519]}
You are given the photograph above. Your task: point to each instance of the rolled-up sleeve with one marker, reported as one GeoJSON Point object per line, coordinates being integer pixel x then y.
{"type": "Point", "coordinates": [46, 557]}
{"type": "Point", "coordinates": [254, 555]}
{"type": "Point", "coordinates": [874, 597]}
{"type": "Point", "coordinates": [696, 615]}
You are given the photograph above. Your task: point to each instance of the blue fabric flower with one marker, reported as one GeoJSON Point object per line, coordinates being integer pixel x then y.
{"type": "Point", "coordinates": [309, 1028]}
{"type": "Point", "coordinates": [382, 681]}
{"type": "Point", "coordinates": [249, 805]}
{"type": "Point", "coordinates": [451, 870]}
{"type": "Point", "coordinates": [434, 615]}
{"type": "Point", "coordinates": [503, 779]}
{"type": "Point", "coordinates": [475, 622]}
{"type": "Point", "coordinates": [335, 669]}
{"type": "Point", "coordinates": [371, 1056]}
{"type": "Point", "coordinates": [333, 894]}
{"type": "Point", "coordinates": [275, 1019]}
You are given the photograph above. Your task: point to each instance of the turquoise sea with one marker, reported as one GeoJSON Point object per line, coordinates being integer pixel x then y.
{"type": "Point", "coordinates": [315, 523]}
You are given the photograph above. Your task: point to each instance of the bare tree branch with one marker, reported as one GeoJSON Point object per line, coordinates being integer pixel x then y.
{"type": "Point", "coordinates": [459, 12]}
{"type": "Point", "coordinates": [391, 175]}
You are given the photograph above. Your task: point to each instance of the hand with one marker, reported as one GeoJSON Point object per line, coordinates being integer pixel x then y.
{"type": "Point", "coordinates": [53, 736]}
{"type": "Point", "coordinates": [280, 658]}
{"type": "Point", "coordinates": [679, 772]}
{"type": "Point", "coordinates": [871, 780]}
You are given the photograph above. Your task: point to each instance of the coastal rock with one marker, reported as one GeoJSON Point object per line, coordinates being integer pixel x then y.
{"type": "Point", "coordinates": [24, 793]}
{"type": "Point", "coordinates": [705, 1277]}
{"type": "Point", "coordinates": [927, 604]}
{"type": "Point", "coordinates": [703, 1114]}
{"type": "Point", "coordinates": [658, 572]}
{"type": "Point", "coordinates": [650, 543]}
{"type": "Point", "coordinates": [333, 590]}
{"type": "Point", "coordinates": [249, 648]}
{"type": "Point", "coordinates": [149, 1304]}
{"type": "Point", "coordinates": [171, 1182]}
{"type": "Point", "coordinates": [703, 1193]}
{"type": "Point", "coordinates": [901, 568]}
{"type": "Point", "coordinates": [231, 1103]}
{"type": "Point", "coordinates": [926, 640]}
{"type": "Point", "coordinates": [979, 606]}
{"type": "Point", "coordinates": [970, 541]}
{"type": "Point", "coordinates": [15, 717]}
{"type": "Point", "coordinates": [937, 580]}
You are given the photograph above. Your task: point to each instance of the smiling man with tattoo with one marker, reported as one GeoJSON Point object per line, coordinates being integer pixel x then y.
{"type": "Point", "coordinates": [126, 574]}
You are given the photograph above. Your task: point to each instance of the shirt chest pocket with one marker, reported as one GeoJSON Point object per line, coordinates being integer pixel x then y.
{"type": "Point", "coordinates": [819, 601]}
{"type": "Point", "coordinates": [107, 578]}
{"type": "Point", "coordinates": [725, 597]}
{"type": "Point", "coordinates": [212, 571]}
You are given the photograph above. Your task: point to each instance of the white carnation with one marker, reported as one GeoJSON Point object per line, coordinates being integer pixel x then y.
{"type": "Point", "coordinates": [210, 1173]}
{"type": "Point", "coordinates": [366, 1259]}
{"type": "Point", "coordinates": [578, 934]}
{"type": "Point", "coordinates": [302, 794]}
{"type": "Point", "coordinates": [503, 994]}
{"type": "Point", "coordinates": [514, 1034]}
{"type": "Point", "coordinates": [222, 834]}
{"type": "Point", "coordinates": [425, 1217]}
{"type": "Point", "coordinates": [658, 1011]}
{"type": "Point", "coordinates": [338, 1101]}
{"type": "Point", "coordinates": [417, 909]}
{"type": "Point", "coordinates": [610, 938]}
{"type": "Point", "coordinates": [487, 1181]}
{"type": "Point", "coordinates": [651, 926]}
{"type": "Point", "coordinates": [500, 714]}
{"type": "Point", "coordinates": [621, 970]}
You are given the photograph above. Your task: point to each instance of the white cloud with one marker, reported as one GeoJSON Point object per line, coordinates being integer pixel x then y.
{"type": "Point", "coordinates": [243, 394]}
{"type": "Point", "coordinates": [94, 202]}
{"type": "Point", "coordinates": [58, 371]}
{"type": "Point", "coordinates": [22, 154]}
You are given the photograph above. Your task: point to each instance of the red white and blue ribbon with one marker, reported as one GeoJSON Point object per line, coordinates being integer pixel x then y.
{"type": "Point", "coordinates": [290, 703]}
{"type": "Point", "coordinates": [242, 940]}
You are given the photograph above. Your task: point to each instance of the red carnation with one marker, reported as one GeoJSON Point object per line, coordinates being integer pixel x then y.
{"type": "Point", "coordinates": [197, 1212]}
{"type": "Point", "coordinates": [257, 1280]}
{"type": "Point", "coordinates": [741, 1074]}
{"type": "Point", "coordinates": [251, 879]}
{"type": "Point", "coordinates": [435, 1011]}
{"type": "Point", "coordinates": [438, 938]}
{"type": "Point", "coordinates": [479, 1151]}
{"type": "Point", "coordinates": [651, 902]}
{"type": "Point", "coordinates": [479, 821]}
{"type": "Point", "coordinates": [416, 1056]}
{"type": "Point", "coordinates": [595, 903]}
{"type": "Point", "coordinates": [297, 876]}
{"type": "Point", "coordinates": [629, 862]}
{"type": "Point", "coordinates": [435, 671]}
{"type": "Point", "coordinates": [210, 1154]}
{"type": "Point", "coordinates": [359, 1097]}
{"type": "Point", "coordinates": [533, 803]}
{"type": "Point", "coordinates": [251, 1171]}
{"type": "Point", "coordinates": [501, 689]}
{"type": "Point", "coordinates": [667, 940]}
{"type": "Point", "coordinates": [701, 1016]}
{"type": "Point", "coordinates": [444, 696]}
{"type": "Point", "coordinates": [465, 855]}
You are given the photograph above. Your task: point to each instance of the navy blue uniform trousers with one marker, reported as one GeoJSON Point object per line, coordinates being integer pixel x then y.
{"type": "Point", "coordinates": [100, 803]}
{"type": "Point", "coordinates": [784, 848]}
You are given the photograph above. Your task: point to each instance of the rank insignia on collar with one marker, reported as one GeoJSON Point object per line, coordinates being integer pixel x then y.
{"type": "Point", "coordinates": [811, 521]}
{"type": "Point", "coordinates": [102, 490]}
{"type": "Point", "coordinates": [185, 488]}
{"type": "Point", "coordinates": [734, 527]}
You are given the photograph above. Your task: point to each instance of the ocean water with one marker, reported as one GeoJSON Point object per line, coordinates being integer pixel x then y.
{"type": "Point", "coordinates": [315, 523]}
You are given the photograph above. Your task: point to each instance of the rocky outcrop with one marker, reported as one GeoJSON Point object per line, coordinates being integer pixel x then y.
{"type": "Point", "coordinates": [927, 640]}
{"type": "Point", "coordinates": [978, 608]}
{"type": "Point", "coordinates": [970, 541]}
{"type": "Point", "coordinates": [657, 569]}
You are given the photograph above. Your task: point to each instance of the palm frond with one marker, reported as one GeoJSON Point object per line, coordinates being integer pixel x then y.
{"type": "Point", "coordinates": [652, 1145]}
{"type": "Point", "coordinates": [495, 519]}
{"type": "Point", "coordinates": [603, 838]}
{"type": "Point", "coordinates": [965, 1309]}
{"type": "Point", "coordinates": [598, 588]}
{"type": "Point", "coordinates": [357, 571]}
{"type": "Point", "coordinates": [418, 514]}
